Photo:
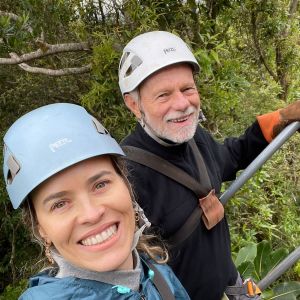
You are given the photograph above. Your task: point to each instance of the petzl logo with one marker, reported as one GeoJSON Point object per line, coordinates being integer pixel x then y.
{"type": "Point", "coordinates": [168, 50]}
{"type": "Point", "coordinates": [55, 146]}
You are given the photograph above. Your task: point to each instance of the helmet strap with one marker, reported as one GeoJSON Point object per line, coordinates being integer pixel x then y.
{"type": "Point", "coordinates": [151, 133]}
{"type": "Point", "coordinates": [142, 223]}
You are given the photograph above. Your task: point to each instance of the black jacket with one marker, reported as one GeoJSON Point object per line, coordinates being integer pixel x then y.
{"type": "Point", "coordinates": [202, 262]}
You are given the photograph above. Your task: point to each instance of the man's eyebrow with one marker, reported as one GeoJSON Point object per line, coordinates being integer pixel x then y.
{"type": "Point", "coordinates": [97, 176]}
{"type": "Point", "coordinates": [54, 196]}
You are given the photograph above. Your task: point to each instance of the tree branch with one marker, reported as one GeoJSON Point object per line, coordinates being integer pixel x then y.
{"type": "Point", "coordinates": [293, 8]}
{"type": "Point", "coordinates": [10, 15]}
{"type": "Point", "coordinates": [291, 15]}
{"type": "Point", "coordinates": [257, 46]}
{"type": "Point", "coordinates": [51, 72]}
{"type": "Point", "coordinates": [59, 72]}
{"type": "Point", "coordinates": [45, 50]}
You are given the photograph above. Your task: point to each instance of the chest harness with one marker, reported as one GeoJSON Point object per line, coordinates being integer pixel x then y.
{"type": "Point", "coordinates": [209, 208]}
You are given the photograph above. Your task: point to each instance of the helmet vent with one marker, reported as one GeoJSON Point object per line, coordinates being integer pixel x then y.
{"type": "Point", "coordinates": [123, 59]}
{"type": "Point", "coordinates": [100, 128]}
{"type": "Point", "coordinates": [135, 62]}
{"type": "Point", "coordinates": [13, 169]}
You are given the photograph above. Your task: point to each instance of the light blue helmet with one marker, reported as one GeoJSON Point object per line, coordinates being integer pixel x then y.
{"type": "Point", "coordinates": [48, 140]}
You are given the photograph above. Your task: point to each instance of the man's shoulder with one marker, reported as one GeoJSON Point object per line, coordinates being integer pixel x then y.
{"type": "Point", "coordinates": [131, 139]}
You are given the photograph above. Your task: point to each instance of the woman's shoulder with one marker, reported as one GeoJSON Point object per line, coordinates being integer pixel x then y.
{"type": "Point", "coordinates": [45, 286]}
{"type": "Point", "coordinates": [166, 274]}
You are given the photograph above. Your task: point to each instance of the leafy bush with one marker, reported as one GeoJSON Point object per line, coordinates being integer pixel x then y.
{"type": "Point", "coordinates": [257, 260]}
{"type": "Point", "coordinates": [13, 292]}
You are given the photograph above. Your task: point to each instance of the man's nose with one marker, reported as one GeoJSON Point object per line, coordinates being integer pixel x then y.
{"type": "Point", "coordinates": [180, 101]}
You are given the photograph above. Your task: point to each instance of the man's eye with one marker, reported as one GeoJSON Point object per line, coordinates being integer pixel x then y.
{"type": "Point", "coordinates": [162, 95]}
{"type": "Point", "coordinates": [188, 89]}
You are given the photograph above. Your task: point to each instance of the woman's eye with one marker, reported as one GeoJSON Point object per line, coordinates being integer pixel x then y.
{"type": "Point", "coordinates": [101, 185]}
{"type": "Point", "coordinates": [58, 205]}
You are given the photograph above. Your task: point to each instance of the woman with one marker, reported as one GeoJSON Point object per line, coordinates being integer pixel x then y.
{"type": "Point", "coordinates": [66, 171]}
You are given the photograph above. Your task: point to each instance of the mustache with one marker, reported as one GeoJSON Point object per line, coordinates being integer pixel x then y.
{"type": "Point", "coordinates": [180, 114]}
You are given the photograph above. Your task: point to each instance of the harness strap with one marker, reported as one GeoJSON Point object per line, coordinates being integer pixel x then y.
{"type": "Point", "coordinates": [164, 167]}
{"type": "Point", "coordinates": [204, 181]}
{"type": "Point", "coordinates": [248, 288]}
{"type": "Point", "coordinates": [187, 228]}
{"type": "Point", "coordinates": [161, 284]}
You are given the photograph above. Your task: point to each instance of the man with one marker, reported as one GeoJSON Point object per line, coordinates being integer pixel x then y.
{"type": "Point", "coordinates": [156, 78]}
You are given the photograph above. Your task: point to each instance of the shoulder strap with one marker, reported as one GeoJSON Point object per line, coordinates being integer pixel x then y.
{"type": "Point", "coordinates": [204, 178]}
{"type": "Point", "coordinates": [161, 284]}
{"type": "Point", "coordinates": [162, 166]}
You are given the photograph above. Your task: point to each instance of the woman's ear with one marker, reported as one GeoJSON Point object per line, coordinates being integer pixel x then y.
{"type": "Point", "coordinates": [132, 104]}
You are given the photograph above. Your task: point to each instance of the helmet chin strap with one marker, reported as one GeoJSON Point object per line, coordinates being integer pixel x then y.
{"type": "Point", "coordinates": [142, 224]}
{"type": "Point", "coordinates": [152, 134]}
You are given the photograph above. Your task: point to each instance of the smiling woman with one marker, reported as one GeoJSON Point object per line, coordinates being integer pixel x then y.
{"type": "Point", "coordinates": [67, 174]}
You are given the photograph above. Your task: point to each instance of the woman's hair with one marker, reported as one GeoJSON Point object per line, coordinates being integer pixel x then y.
{"type": "Point", "coordinates": [149, 244]}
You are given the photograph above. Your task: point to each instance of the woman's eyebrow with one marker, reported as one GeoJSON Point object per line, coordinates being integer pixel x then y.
{"type": "Point", "coordinates": [54, 196]}
{"type": "Point", "coordinates": [64, 193]}
{"type": "Point", "coordinates": [97, 176]}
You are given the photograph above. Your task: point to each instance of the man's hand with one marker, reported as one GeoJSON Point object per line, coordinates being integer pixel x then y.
{"type": "Point", "coordinates": [287, 115]}
{"type": "Point", "coordinates": [290, 113]}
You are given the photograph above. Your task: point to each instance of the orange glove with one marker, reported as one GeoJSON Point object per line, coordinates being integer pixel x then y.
{"type": "Point", "coordinates": [272, 124]}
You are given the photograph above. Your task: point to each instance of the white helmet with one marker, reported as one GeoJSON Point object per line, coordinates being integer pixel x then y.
{"type": "Point", "coordinates": [148, 53]}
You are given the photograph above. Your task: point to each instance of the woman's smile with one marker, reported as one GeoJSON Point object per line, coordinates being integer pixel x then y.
{"type": "Point", "coordinates": [92, 208]}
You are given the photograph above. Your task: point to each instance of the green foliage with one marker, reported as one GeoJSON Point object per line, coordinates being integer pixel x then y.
{"type": "Point", "coordinates": [286, 291]}
{"type": "Point", "coordinates": [13, 292]}
{"type": "Point", "coordinates": [257, 260]}
{"type": "Point", "coordinates": [15, 34]}
{"type": "Point", "coordinates": [19, 93]}
{"type": "Point", "coordinates": [234, 82]}
{"type": "Point", "coordinates": [267, 206]}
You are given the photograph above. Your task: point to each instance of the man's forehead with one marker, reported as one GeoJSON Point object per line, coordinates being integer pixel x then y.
{"type": "Point", "coordinates": [163, 74]}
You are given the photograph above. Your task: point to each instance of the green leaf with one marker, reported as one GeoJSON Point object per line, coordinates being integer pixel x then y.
{"type": "Point", "coordinates": [247, 253]}
{"type": "Point", "coordinates": [262, 261]}
{"type": "Point", "coordinates": [246, 269]}
{"type": "Point", "coordinates": [287, 291]}
{"type": "Point", "coordinates": [278, 256]}
{"type": "Point", "coordinates": [215, 56]}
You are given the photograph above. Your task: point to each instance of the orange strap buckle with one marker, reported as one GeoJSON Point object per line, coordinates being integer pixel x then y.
{"type": "Point", "coordinates": [252, 288]}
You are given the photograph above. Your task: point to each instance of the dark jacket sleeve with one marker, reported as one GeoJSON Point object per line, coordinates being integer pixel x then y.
{"type": "Point", "coordinates": [236, 153]}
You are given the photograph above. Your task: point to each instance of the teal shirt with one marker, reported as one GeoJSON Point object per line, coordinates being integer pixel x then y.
{"type": "Point", "coordinates": [43, 286]}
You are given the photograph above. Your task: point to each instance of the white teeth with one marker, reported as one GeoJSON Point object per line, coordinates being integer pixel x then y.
{"type": "Point", "coordinates": [100, 237]}
{"type": "Point", "coordinates": [180, 120]}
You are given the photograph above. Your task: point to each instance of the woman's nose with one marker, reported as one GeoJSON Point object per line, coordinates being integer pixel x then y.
{"type": "Point", "coordinates": [90, 211]}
